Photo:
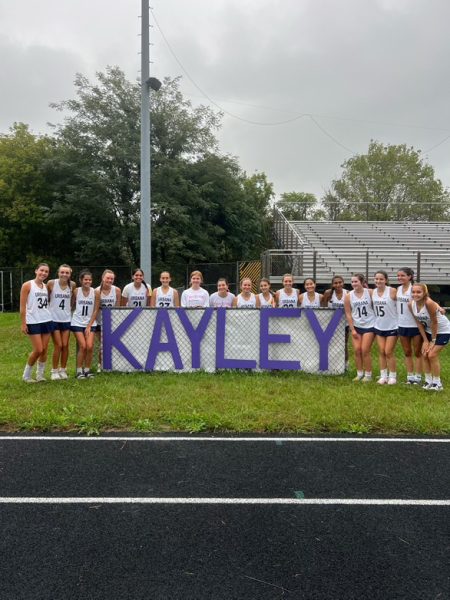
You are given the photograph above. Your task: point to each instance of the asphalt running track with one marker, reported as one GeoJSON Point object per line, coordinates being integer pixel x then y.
{"type": "Point", "coordinates": [121, 517]}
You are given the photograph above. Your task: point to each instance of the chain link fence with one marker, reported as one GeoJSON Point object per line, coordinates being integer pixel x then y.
{"type": "Point", "coordinates": [186, 340]}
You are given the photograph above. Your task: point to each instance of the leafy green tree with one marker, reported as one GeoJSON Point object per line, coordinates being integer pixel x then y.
{"type": "Point", "coordinates": [390, 182]}
{"type": "Point", "coordinates": [25, 196]}
{"type": "Point", "coordinates": [300, 206]}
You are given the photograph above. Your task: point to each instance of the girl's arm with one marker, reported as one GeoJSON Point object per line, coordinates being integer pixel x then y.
{"type": "Point", "coordinates": [124, 298]}
{"type": "Point", "coordinates": [94, 312]}
{"type": "Point", "coordinates": [176, 298]}
{"type": "Point", "coordinates": [235, 299]}
{"type": "Point", "coordinates": [432, 308]}
{"type": "Point", "coordinates": [348, 315]}
{"type": "Point", "coordinates": [277, 298]}
{"type": "Point", "coordinates": [326, 298]}
{"type": "Point", "coordinates": [419, 324]}
{"type": "Point", "coordinates": [73, 300]}
{"type": "Point", "coordinates": [50, 288]}
{"type": "Point", "coordinates": [118, 297]}
{"type": "Point", "coordinates": [258, 301]}
{"type": "Point", "coordinates": [24, 293]}
{"type": "Point", "coordinates": [153, 300]}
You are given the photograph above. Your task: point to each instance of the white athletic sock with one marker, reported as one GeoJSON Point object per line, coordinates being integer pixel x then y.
{"type": "Point", "coordinates": [79, 370]}
{"type": "Point", "coordinates": [27, 371]}
{"type": "Point", "coordinates": [360, 373]}
{"type": "Point", "coordinates": [41, 367]}
{"type": "Point", "coordinates": [410, 375]}
{"type": "Point", "coordinates": [428, 378]}
{"type": "Point", "coordinates": [437, 380]}
{"type": "Point", "coordinates": [383, 373]}
{"type": "Point", "coordinates": [368, 374]}
{"type": "Point", "coordinates": [393, 374]}
{"type": "Point", "coordinates": [418, 375]}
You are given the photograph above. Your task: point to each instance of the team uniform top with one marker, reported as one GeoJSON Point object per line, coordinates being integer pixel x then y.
{"type": "Point", "coordinates": [334, 300]}
{"type": "Point", "coordinates": [195, 298]}
{"type": "Point", "coordinates": [107, 300]}
{"type": "Point", "coordinates": [362, 311]}
{"type": "Point", "coordinates": [423, 316]}
{"type": "Point", "coordinates": [265, 303]}
{"type": "Point", "coordinates": [164, 300]}
{"type": "Point", "coordinates": [404, 316]}
{"type": "Point", "coordinates": [217, 301]}
{"type": "Point", "coordinates": [60, 298]}
{"type": "Point", "coordinates": [385, 310]}
{"type": "Point", "coordinates": [286, 300]}
{"type": "Point", "coordinates": [135, 296]}
{"type": "Point", "coordinates": [37, 305]}
{"type": "Point", "coordinates": [84, 307]}
{"type": "Point", "coordinates": [249, 303]}
{"type": "Point", "coordinates": [307, 303]}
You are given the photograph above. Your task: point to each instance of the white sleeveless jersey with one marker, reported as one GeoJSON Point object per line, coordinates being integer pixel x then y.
{"type": "Point", "coordinates": [287, 301]}
{"type": "Point", "coordinates": [422, 315]}
{"type": "Point", "coordinates": [265, 303]}
{"type": "Point", "coordinates": [84, 307]}
{"type": "Point", "coordinates": [195, 298]}
{"type": "Point", "coordinates": [362, 311]}
{"type": "Point", "coordinates": [334, 300]}
{"type": "Point", "coordinates": [60, 308]}
{"type": "Point", "coordinates": [107, 300]}
{"type": "Point", "coordinates": [385, 310]}
{"type": "Point", "coordinates": [307, 303]}
{"type": "Point", "coordinates": [164, 300]}
{"type": "Point", "coordinates": [243, 303]}
{"type": "Point", "coordinates": [37, 310]}
{"type": "Point", "coordinates": [217, 301]}
{"type": "Point", "coordinates": [405, 318]}
{"type": "Point", "coordinates": [135, 297]}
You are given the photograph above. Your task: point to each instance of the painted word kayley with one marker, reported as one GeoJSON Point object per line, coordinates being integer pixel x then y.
{"type": "Point", "coordinates": [211, 339]}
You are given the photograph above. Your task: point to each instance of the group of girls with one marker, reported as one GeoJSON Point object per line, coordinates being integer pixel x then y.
{"type": "Point", "coordinates": [384, 313]}
{"type": "Point", "coordinates": [55, 309]}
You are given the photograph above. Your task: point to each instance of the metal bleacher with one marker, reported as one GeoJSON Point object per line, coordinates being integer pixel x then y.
{"type": "Point", "coordinates": [324, 248]}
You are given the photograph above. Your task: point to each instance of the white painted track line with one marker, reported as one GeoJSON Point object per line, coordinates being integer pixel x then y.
{"type": "Point", "coordinates": [260, 501]}
{"type": "Point", "coordinates": [300, 440]}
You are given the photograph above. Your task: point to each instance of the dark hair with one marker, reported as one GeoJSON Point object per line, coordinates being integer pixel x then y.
{"type": "Point", "coordinates": [309, 279]}
{"type": "Point", "coordinates": [223, 279]}
{"type": "Point", "coordinates": [43, 264]}
{"type": "Point", "coordinates": [266, 280]}
{"type": "Point", "coordinates": [385, 275]}
{"type": "Point", "coordinates": [409, 272]}
{"type": "Point", "coordinates": [143, 280]}
{"type": "Point", "coordinates": [83, 274]}
{"type": "Point", "coordinates": [329, 293]}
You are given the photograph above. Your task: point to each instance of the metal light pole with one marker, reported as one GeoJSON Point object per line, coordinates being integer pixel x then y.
{"type": "Point", "coordinates": [147, 83]}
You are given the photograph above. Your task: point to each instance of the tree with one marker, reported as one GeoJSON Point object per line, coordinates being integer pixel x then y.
{"type": "Point", "coordinates": [390, 182]}
{"type": "Point", "coordinates": [300, 206]}
{"type": "Point", "coordinates": [25, 195]}
{"type": "Point", "coordinates": [204, 208]}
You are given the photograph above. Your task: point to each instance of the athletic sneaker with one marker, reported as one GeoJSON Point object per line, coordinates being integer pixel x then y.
{"type": "Point", "coordinates": [427, 386]}
{"type": "Point", "coordinates": [80, 375]}
{"type": "Point", "coordinates": [40, 377]}
{"type": "Point", "coordinates": [412, 380]}
{"type": "Point", "coordinates": [99, 368]}
{"type": "Point", "coordinates": [382, 380]}
{"type": "Point", "coordinates": [436, 387]}
{"type": "Point", "coordinates": [366, 379]}
{"type": "Point", "coordinates": [88, 374]}
{"type": "Point", "coordinates": [392, 381]}
{"type": "Point", "coordinates": [63, 374]}
{"type": "Point", "coordinates": [358, 378]}
{"type": "Point", "coordinates": [417, 379]}
{"type": "Point", "coordinates": [55, 375]}
{"type": "Point", "coordinates": [28, 380]}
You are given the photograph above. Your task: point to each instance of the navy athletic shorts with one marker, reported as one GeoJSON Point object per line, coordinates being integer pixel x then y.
{"type": "Point", "coordinates": [40, 328]}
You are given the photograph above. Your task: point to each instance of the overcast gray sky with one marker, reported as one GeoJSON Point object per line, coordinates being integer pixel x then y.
{"type": "Point", "coordinates": [364, 69]}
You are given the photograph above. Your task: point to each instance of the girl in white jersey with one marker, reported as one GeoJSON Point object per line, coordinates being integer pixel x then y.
{"type": "Point", "coordinates": [165, 296]}
{"type": "Point", "coordinates": [310, 298]}
{"type": "Point", "coordinates": [86, 303]}
{"type": "Point", "coordinates": [109, 297]}
{"type": "Point", "coordinates": [287, 297]}
{"type": "Point", "coordinates": [137, 293]}
{"type": "Point", "coordinates": [195, 296]}
{"type": "Point", "coordinates": [266, 299]}
{"type": "Point", "coordinates": [36, 321]}
{"type": "Point", "coordinates": [408, 332]}
{"type": "Point", "coordinates": [60, 294]}
{"type": "Point", "coordinates": [246, 299]}
{"type": "Point", "coordinates": [434, 328]}
{"type": "Point", "coordinates": [223, 298]}
{"type": "Point", "coordinates": [334, 298]}
{"type": "Point", "coordinates": [361, 319]}
{"type": "Point", "coordinates": [384, 301]}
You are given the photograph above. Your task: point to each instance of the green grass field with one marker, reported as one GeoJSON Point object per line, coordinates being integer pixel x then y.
{"type": "Point", "coordinates": [241, 402]}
